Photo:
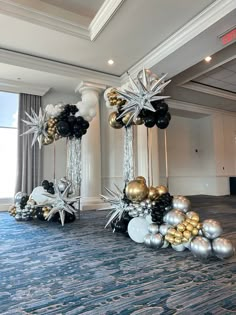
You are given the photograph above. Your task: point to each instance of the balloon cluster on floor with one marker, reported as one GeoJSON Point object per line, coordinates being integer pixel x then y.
{"type": "Point", "coordinates": [59, 121]}
{"type": "Point", "coordinates": [47, 202]}
{"type": "Point", "coordinates": [138, 102]}
{"type": "Point", "coordinates": [150, 215]}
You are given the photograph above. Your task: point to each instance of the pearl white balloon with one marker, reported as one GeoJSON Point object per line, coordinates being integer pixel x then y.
{"type": "Point", "coordinates": [222, 248]}
{"type": "Point", "coordinates": [92, 112]}
{"type": "Point", "coordinates": [88, 118]}
{"type": "Point", "coordinates": [211, 229]}
{"type": "Point", "coordinates": [137, 229]}
{"type": "Point", "coordinates": [178, 248]}
{"type": "Point", "coordinates": [149, 218]}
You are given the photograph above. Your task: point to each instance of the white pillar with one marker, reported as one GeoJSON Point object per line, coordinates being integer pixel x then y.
{"type": "Point", "coordinates": [142, 154]}
{"type": "Point", "coordinates": [91, 150]}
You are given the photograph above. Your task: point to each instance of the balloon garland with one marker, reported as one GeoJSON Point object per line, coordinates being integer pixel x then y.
{"type": "Point", "coordinates": [46, 202]}
{"type": "Point", "coordinates": [150, 215]}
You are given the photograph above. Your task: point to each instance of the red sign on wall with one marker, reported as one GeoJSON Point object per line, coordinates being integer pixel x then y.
{"type": "Point", "coordinates": [229, 37]}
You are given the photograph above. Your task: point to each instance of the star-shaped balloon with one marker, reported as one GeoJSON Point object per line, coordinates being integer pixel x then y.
{"type": "Point", "coordinates": [118, 205]}
{"type": "Point", "coordinates": [141, 93]}
{"type": "Point", "coordinates": [38, 125]}
{"type": "Point", "coordinates": [61, 203]}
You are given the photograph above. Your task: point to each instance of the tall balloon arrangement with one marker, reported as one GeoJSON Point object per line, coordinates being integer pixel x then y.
{"type": "Point", "coordinates": [150, 215]}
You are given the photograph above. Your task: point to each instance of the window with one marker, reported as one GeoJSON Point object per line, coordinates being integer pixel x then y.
{"type": "Point", "coordinates": [8, 144]}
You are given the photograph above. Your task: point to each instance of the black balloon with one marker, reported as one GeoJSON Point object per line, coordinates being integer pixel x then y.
{"type": "Point", "coordinates": [162, 122]}
{"type": "Point", "coordinates": [162, 108]}
{"type": "Point", "coordinates": [119, 226]}
{"type": "Point", "coordinates": [85, 124]}
{"type": "Point", "coordinates": [63, 128]}
{"type": "Point", "coordinates": [150, 121]}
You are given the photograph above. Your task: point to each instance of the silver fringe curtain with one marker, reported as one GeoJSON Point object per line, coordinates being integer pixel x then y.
{"type": "Point", "coordinates": [128, 165]}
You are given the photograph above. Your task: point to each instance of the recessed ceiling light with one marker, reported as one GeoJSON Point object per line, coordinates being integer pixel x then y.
{"type": "Point", "coordinates": [110, 62]}
{"type": "Point", "coordinates": [208, 59]}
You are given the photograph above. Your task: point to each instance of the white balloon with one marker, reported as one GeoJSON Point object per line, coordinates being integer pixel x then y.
{"type": "Point", "coordinates": [88, 118]}
{"type": "Point", "coordinates": [137, 229]}
{"type": "Point", "coordinates": [38, 195]}
{"type": "Point", "coordinates": [92, 112]}
{"type": "Point", "coordinates": [149, 219]}
{"type": "Point", "coordinates": [89, 99]}
{"type": "Point", "coordinates": [83, 111]}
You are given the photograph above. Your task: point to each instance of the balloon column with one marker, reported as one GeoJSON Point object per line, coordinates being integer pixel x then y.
{"type": "Point", "coordinates": [47, 202]}
{"type": "Point", "coordinates": [150, 215]}
{"type": "Point", "coordinates": [139, 102]}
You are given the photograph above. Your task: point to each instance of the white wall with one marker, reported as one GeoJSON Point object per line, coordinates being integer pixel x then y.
{"type": "Point", "coordinates": [53, 97]}
{"type": "Point", "coordinates": [206, 171]}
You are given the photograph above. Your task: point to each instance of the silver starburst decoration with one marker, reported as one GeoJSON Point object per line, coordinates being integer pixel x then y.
{"type": "Point", "coordinates": [118, 205]}
{"type": "Point", "coordinates": [61, 203]}
{"type": "Point", "coordinates": [141, 93]}
{"type": "Point", "coordinates": [38, 125]}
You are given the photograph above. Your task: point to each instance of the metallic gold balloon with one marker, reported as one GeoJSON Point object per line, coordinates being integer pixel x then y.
{"type": "Point", "coordinates": [113, 122]}
{"type": "Point", "coordinates": [126, 118]}
{"type": "Point", "coordinates": [47, 140]}
{"type": "Point", "coordinates": [161, 190]}
{"type": "Point", "coordinates": [136, 191]}
{"type": "Point", "coordinates": [141, 178]}
{"type": "Point", "coordinates": [138, 121]}
{"type": "Point", "coordinates": [153, 193]}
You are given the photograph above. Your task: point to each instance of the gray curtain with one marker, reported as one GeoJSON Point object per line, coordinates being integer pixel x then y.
{"type": "Point", "coordinates": [29, 158]}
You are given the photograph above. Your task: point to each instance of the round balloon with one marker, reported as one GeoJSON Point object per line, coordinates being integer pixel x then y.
{"type": "Point", "coordinates": [153, 228]}
{"type": "Point", "coordinates": [174, 217]}
{"type": "Point", "coordinates": [222, 248]}
{"type": "Point", "coordinates": [181, 203]}
{"type": "Point", "coordinates": [164, 228]}
{"type": "Point", "coordinates": [137, 229]}
{"type": "Point", "coordinates": [211, 229]}
{"type": "Point", "coordinates": [156, 240]}
{"type": "Point", "coordinates": [18, 196]}
{"type": "Point", "coordinates": [178, 248]}
{"type": "Point", "coordinates": [201, 247]}
{"type": "Point", "coordinates": [147, 240]}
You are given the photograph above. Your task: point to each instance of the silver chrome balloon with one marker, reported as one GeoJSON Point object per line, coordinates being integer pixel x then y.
{"type": "Point", "coordinates": [223, 248]}
{"type": "Point", "coordinates": [174, 217]}
{"type": "Point", "coordinates": [211, 229]}
{"type": "Point", "coordinates": [178, 248]}
{"type": "Point", "coordinates": [164, 228]}
{"type": "Point", "coordinates": [156, 240]}
{"type": "Point", "coordinates": [181, 203]}
{"type": "Point", "coordinates": [165, 244]}
{"type": "Point", "coordinates": [18, 196]}
{"type": "Point", "coordinates": [201, 247]}
{"type": "Point", "coordinates": [147, 240]}
{"type": "Point", "coordinates": [153, 228]}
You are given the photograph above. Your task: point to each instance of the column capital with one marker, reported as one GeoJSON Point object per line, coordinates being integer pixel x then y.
{"type": "Point", "coordinates": [85, 86]}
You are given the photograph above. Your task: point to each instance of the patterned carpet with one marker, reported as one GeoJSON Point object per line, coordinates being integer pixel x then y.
{"type": "Point", "coordinates": [84, 269]}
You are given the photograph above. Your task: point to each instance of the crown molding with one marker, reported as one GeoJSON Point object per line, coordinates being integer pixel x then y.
{"type": "Point", "coordinates": [209, 90]}
{"type": "Point", "coordinates": [20, 87]}
{"type": "Point", "coordinates": [192, 107]}
{"type": "Point", "coordinates": [43, 15]}
{"type": "Point", "coordinates": [103, 16]}
{"type": "Point", "coordinates": [213, 13]}
{"type": "Point", "coordinates": [55, 67]}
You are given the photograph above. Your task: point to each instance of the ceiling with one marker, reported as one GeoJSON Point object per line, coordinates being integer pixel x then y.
{"type": "Point", "coordinates": [223, 77]}
{"type": "Point", "coordinates": [57, 43]}
{"type": "Point", "coordinates": [87, 8]}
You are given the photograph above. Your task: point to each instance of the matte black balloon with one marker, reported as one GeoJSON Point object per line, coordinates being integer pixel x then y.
{"type": "Point", "coordinates": [168, 115]}
{"type": "Point", "coordinates": [85, 124]}
{"type": "Point", "coordinates": [45, 184]}
{"type": "Point", "coordinates": [51, 190]}
{"type": "Point", "coordinates": [162, 122]}
{"type": "Point", "coordinates": [150, 121]}
{"type": "Point", "coordinates": [84, 131]}
{"type": "Point", "coordinates": [63, 128]}
{"type": "Point", "coordinates": [79, 120]}
{"type": "Point", "coordinates": [119, 226]}
{"type": "Point", "coordinates": [71, 120]}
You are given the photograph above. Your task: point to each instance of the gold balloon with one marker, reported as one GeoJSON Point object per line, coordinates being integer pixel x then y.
{"type": "Point", "coordinates": [141, 178]}
{"type": "Point", "coordinates": [47, 140]}
{"type": "Point", "coordinates": [189, 227]}
{"type": "Point", "coordinates": [171, 231]}
{"type": "Point", "coordinates": [187, 234]}
{"type": "Point", "coordinates": [113, 122]}
{"type": "Point", "coordinates": [177, 241]}
{"type": "Point", "coordinates": [161, 189]}
{"type": "Point", "coordinates": [138, 121]}
{"type": "Point", "coordinates": [126, 118]}
{"type": "Point", "coordinates": [180, 227]}
{"type": "Point", "coordinates": [136, 190]}
{"type": "Point", "coordinates": [153, 193]}
{"type": "Point", "coordinates": [195, 231]}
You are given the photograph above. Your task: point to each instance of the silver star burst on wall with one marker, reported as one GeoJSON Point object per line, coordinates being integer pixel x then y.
{"type": "Point", "coordinates": [118, 206]}
{"type": "Point", "coordinates": [141, 93]}
{"type": "Point", "coordinates": [61, 203]}
{"type": "Point", "coordinates": [38, 125]}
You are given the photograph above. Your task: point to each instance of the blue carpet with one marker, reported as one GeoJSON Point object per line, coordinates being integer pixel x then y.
{"type": "Point", "coordinates": [84, 269]}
